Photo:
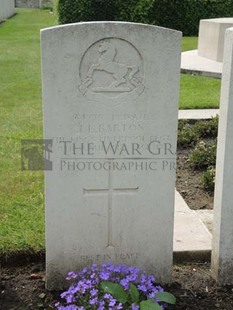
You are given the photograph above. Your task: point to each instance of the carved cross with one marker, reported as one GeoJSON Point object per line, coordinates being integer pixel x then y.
{"type": "Point", "coordinates": [109, 191]}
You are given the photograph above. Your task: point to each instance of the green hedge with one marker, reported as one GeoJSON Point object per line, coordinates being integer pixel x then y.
{"type": "Point", "coordinates": [70, 11]}
{"type": "Point", "coordinates": [183, 15]}
{"type": "Point", "coordinates": [137, 11]}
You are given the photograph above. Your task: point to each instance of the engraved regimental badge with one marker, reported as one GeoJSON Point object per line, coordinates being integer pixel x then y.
{"type": "Point", "coordinates": [111, 68]}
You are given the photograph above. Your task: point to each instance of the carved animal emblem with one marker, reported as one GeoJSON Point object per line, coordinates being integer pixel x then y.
{"type": "Point", "coordinates": [107, 63]}
{"type": "Point", "coordinates": [109, 77]}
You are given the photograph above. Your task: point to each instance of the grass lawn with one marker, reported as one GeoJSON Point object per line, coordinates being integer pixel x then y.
{"type": "Point", "coordinates": [189, 43]}
{"type": "Point", "coordinates": [197, 92]}
{"type": "Point", "coordinates": [21, 192]}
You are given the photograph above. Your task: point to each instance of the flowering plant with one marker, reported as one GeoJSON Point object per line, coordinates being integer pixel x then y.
{"type": "Point", "coordinates": [113, 287]}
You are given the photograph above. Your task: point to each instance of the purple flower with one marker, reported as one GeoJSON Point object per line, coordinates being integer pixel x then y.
{"type": "Point", "coordinates": [107, 296]}
{"type": "Point", "coordinates": [83, 272]}
{"type": "Point", "coordinates": [125, 283]}
{"type": "Point", "coordinates": [142, 287]}
{"type": "Point", "coordinates": [101, 305]}
{"type": "Point", "coordinates": [71, 275]}
{"type": "Point", "coordinates": [151, 278]}
{"type": "Point", "coordinates": [143, 278]}
{"type": "Point", "coordinates": [94, 267]}
{"type": "Point", "coordinates": [104, 275]}
{"type": "Point", "coordinates": [112, 302]}
{"type": "Point", "coordinates": [151, 295]}
{"type": "Point", "coordinates": [68, 296]}
{"type": "Point", "coordinates": [93, 292]}
{"type": "Point", "coordinates": [119, 268]}
{"type": "Point", "coordinates": [86, 290]}
{"type": "Point", "coordinates": [93, 301]}
{"type": "Point", "coordinates": [69, 307]}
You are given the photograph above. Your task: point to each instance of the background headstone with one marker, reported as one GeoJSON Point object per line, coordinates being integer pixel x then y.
{"type": "Point", "coordinates": [7, 9]}
{"type": "Point", "coordinates": [110, 93]}
{"type": "Point", "coordinates": [32, 3]}
{"type": "Point", "coordinates": [222, 252]}
{"type": "Point", "coordinates": [211, 37]}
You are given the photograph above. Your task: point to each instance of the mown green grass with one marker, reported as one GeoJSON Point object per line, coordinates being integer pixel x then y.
{"type": "Point", "coordinates": [189, 43]}
{"type": "Point", "coordinates": [197, 92]}
{"type": "Point", "coordinates": [22, 192]}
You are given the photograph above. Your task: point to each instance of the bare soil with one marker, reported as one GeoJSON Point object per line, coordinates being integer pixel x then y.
{"type": "Point", "coordinates": [23, 288]}
{"type": "Point", "coordinates": [188, 183]}
{"type": "Point", "coordinates": [23, 281]}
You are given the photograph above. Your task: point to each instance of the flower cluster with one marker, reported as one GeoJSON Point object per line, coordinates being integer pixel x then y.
{"type": "Point", "coordinates": [111, 287]}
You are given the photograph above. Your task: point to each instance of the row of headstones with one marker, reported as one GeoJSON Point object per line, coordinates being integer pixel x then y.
{"type": "Point", "coordinates": [110, 93]}
{"type": "Point", "coordinates": [31, 3]}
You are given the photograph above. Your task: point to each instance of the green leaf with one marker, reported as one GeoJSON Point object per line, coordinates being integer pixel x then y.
{"type": "Point", "coordinates": [134, 293]}
{"type": "Point", "coordinates": [166, 297]}
{"type": "Point", "coordinates": [116, 290]}
{"type": "Point", "coordinates": [149, 305]}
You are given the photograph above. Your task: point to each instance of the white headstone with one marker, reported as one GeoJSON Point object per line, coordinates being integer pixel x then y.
{"type": "Point", "coordinates": [211, 37]}
{"type": "Point", "coordinates": [222, 252]}
{"type": "Point", "coordinates": [7, 9]}
{"type": "Point", "coordinates": [110, 93]}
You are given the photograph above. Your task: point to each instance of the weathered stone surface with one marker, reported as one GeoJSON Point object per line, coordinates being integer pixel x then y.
{"type": "Point", "coordinates": [110, 93]}
{"type": "Point", "coordinates": [222, 253]}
